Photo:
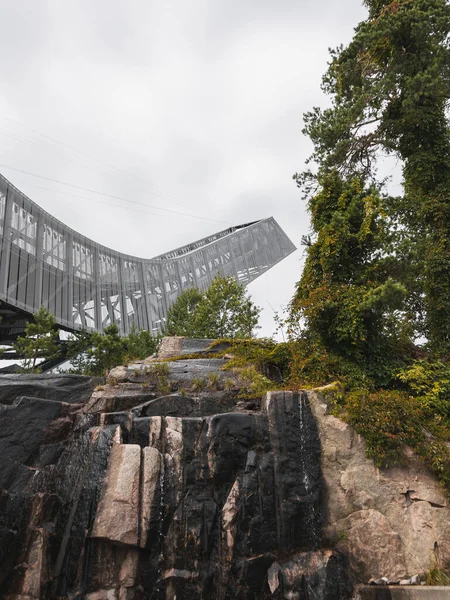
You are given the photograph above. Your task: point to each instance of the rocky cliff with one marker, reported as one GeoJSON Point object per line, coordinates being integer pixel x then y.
{"type": "Point", "coordinates": [170, 483]}
{"type": "Point", "coordinates": [391, 523]}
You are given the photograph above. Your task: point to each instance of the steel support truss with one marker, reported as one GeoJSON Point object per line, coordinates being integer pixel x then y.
{"type": "Point", "coordinates": [86, 285]}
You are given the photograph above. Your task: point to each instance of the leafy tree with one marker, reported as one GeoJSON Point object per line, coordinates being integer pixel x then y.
{"type": "Point", "coordinates": [40, 340]}
{"type": "Point", "coordinates": [180, 316]}
{"type": "Point", "coordinates": [346, 299]}
{"type": "Point", "coordinates": [377, 274]}
{"type": "Point", "coordinates": [223, 310]}
{"type": "Point", "coordinates": [226, 310]}
{"type": "Point", "coordinates": [389, 90]}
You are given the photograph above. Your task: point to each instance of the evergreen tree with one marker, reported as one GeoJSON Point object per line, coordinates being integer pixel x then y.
{"type": "Point", "coordinates": [95, 353]}
{"type": "Point", "coordinates": [40, 340]}
{"type": "Point", "coordinates": [140, 344]}
{"type": "Point", "coordinates": [108, 350]}
{"type": "Point", "coordinates": [77, 352]}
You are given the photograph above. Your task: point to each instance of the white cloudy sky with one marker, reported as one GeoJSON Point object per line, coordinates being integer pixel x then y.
{"type": "Point", "coordinates": [190, 106]}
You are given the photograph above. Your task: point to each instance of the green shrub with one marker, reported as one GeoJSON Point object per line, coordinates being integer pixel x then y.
{"type": "Point", "coordinates": [229, 384]}
{"type": "Point", "coordinates": [430, 383]}
{"type": "Point", "coordinates": [252, 382]}
{"type": "Point", "coordinates": [158, 369]}
{"type": "Point", "coordinates": [313, 366]}
{"type": "Point", "coordinates": [388, 420]}
{"type": "Point", "coordinates": [267, 356]}
{"type": "Point", "coordinates": [198, 384]}
{"type": "Point", "coordinates": [214, 381]}
{"type": "Point", "coordinates": [163, 385]}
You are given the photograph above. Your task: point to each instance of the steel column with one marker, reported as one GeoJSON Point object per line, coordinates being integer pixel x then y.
{"type": "Point", "coordinates": [6, 244]}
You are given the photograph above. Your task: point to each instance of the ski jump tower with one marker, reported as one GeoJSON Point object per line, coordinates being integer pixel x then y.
{"type": "Point", "coordinates": [86, 285]}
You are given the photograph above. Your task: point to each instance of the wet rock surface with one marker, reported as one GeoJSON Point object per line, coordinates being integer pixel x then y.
{"type": "Point", "coordinates": [61, 388]}
{"type": "Point", "coordinates": [169, 482]}
{"type": "Point", "coordinates": [158, 486]}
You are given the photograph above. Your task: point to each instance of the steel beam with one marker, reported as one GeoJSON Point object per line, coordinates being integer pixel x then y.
{"type": "Point", "coordinates": [87, 275]}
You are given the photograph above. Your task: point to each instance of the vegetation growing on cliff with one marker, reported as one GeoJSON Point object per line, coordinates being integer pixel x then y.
{"type": "Point", "coordinates": [96, 353]}
{"type": "Point", "coordinates": [389, 90]}
{"type": "Point", "coordinates": [377, 273]}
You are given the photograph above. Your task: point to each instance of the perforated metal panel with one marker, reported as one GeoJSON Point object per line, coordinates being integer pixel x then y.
{"type": "Point", "coordinates": [86, 285]}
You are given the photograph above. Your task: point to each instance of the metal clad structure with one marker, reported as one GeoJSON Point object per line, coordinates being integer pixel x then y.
{"type": "Point", "coordinates": [87, 285]}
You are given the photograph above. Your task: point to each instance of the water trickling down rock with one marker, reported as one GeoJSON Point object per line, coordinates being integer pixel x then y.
{"type": "Point", "coordinates": [130, 494]}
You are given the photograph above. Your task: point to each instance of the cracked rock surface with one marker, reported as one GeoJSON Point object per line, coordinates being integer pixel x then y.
{"type": "Point", "coordinates": [390, 523]}
{"type": "Point", "coordinates": [158, 486]}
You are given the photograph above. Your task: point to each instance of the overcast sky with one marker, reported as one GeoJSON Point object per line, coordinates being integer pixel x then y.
{"type": "Point", "coordinates": [188, 106]}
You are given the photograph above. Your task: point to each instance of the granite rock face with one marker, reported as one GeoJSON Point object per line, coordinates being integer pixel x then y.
{"type": "Point", "coordinates": [169, 483]}
{"type": "Point", "coordinates": [390, 523]}
{"type": "Point", "coordinates": [137, 492]}
{"type": "Point", "coordinates": [70, 389]}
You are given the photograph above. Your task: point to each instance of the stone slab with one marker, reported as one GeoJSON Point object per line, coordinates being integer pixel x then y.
{"type": "Point", "coordinates": [180, 346]}
{"type": "Point", "coordinates": [62, 388]}
{"type": "Point", "coordinates": [405, 592]}
{"type": "Point", "coordinates": [118, 511]}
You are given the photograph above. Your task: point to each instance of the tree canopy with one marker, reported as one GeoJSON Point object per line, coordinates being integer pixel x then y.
{"type": "Point", "coordinates": [181, 317]}
{"type": "Point", "coordinates": [223, 310]}
{"type": "Point", "coordinates": [389, 91]}
{"type": "Point", "coordinates": [372, 307]}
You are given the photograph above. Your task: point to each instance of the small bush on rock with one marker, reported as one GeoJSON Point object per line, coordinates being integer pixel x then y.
{"type": "Point", "coordinates": [389, 420]}
{"type": "Point", "coordinates": [252, 382]}
{"type": "Point", "coordinates": [214, 381]}
{"type": "Point", "coordinates": [429, 382]}
{"type": "Point", "coordinates": [198, 384]}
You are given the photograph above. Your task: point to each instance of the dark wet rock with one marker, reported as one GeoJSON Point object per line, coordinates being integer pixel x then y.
{"type": "Point", "coordinates": [43, 523]}
{"type": "Point", "coordinates": [297, 473]}
{"type": "Point", "coordinates": [143, 494]}
{"type": "Point", "coordinates": [111, 398]}
{"type": "Point", "coordinates": [318, 575]}
{"type": "Point", "coordinates": [24, 428]}
{"type": "Point", "coordinates": [62, 388]}
{"type": "Point", "coordinates": [184, 405]}
{"type": "Point", "coordinates": [183, 373]}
